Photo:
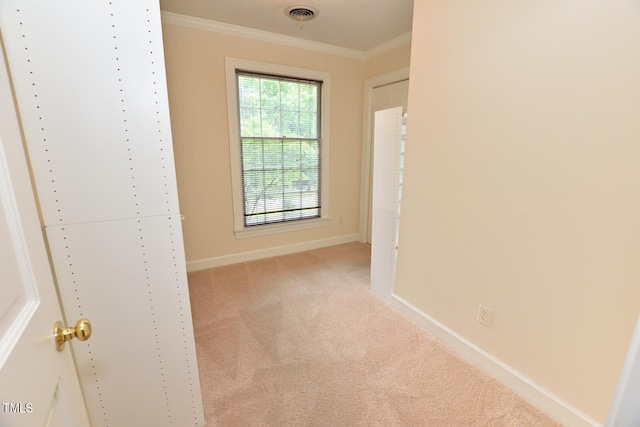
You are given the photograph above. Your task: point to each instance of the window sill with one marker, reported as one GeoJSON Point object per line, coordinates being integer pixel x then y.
{"type": "Point", "coordinates": [264, 230]}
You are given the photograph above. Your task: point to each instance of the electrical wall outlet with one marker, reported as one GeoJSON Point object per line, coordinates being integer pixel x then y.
{"type": "Point", "coordinates": [484, 315]}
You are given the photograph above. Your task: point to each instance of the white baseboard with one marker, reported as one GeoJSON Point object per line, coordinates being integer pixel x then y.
{"type": "Point", "coordinates": [269, 252]}
{"type": "Point", "coordinates": [522, 385]}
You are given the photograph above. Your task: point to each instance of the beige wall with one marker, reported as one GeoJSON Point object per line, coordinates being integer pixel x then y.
{"type": "Point", "coordinates": [388, 61]}
{"type": "Point", "coordinates": [522, 184]}
{"type": "Point", "coordinates": [197, 98]}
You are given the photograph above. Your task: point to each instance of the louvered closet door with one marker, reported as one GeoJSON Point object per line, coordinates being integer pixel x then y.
{"type": "Point", "coordinates": [90, 84]}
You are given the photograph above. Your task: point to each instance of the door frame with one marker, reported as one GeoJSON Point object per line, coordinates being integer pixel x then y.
{"type": "Point", "coordinates": [367, 143]}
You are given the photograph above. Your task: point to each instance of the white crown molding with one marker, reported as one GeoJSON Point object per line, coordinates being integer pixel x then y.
{"type": "Point", "coordinates": [250, 33]}
{"type": "Point", "coordinates": [391, 44]}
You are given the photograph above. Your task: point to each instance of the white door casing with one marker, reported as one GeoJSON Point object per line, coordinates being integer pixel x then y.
{"type": "Point", "coordinates": [90, 84]}
{"type": "Point", "coordinates": [38, 384]}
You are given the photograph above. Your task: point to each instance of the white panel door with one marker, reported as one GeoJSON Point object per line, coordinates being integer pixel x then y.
{"type": "Point", "coordinates": [38, 384]}
{"type": "Point", "coordinates": [90, 84]}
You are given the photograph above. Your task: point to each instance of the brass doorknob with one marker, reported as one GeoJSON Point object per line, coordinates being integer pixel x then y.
{"type": "Point", "coordinates": [82, 331]}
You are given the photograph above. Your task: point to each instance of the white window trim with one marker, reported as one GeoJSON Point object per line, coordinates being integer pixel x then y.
{"type": "Point", "coordinates": [241, 231]}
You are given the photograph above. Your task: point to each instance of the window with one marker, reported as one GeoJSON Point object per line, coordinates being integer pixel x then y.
{"type": "Point", "coordinates": [279, 144]}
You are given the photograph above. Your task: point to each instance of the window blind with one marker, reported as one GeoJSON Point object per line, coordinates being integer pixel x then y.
{"type": "Point", "coordinates": [279, 123]}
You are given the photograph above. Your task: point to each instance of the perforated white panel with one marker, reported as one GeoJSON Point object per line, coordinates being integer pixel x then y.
{"type": "Point", "coordinates": [91, 86]}
{"type": "Point", "coordinates": [91, 90]}
{"type": "Point", "coordinates": [128, 277]}
{"type": "Point", "coordinates": [385, 206]}
{"type": "Point", "coordinates": [624, 411]}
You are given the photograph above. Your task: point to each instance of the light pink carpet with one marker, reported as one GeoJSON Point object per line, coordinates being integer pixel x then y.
{"type": "Point", "coordinates": [299, 340]}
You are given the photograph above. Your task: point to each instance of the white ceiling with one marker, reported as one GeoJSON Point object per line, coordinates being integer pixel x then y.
{"type": "Point", "coordinates": [354, 24]}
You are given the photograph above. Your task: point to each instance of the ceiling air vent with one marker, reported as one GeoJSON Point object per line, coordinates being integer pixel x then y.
{"type": "Point", "coordinates": [301, 13]}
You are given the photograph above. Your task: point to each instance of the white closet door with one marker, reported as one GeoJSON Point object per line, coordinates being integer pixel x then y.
{"type": "Point", "coordinates": [90, 84]}
{"type": "Point", "coordinates": [386, 199]}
